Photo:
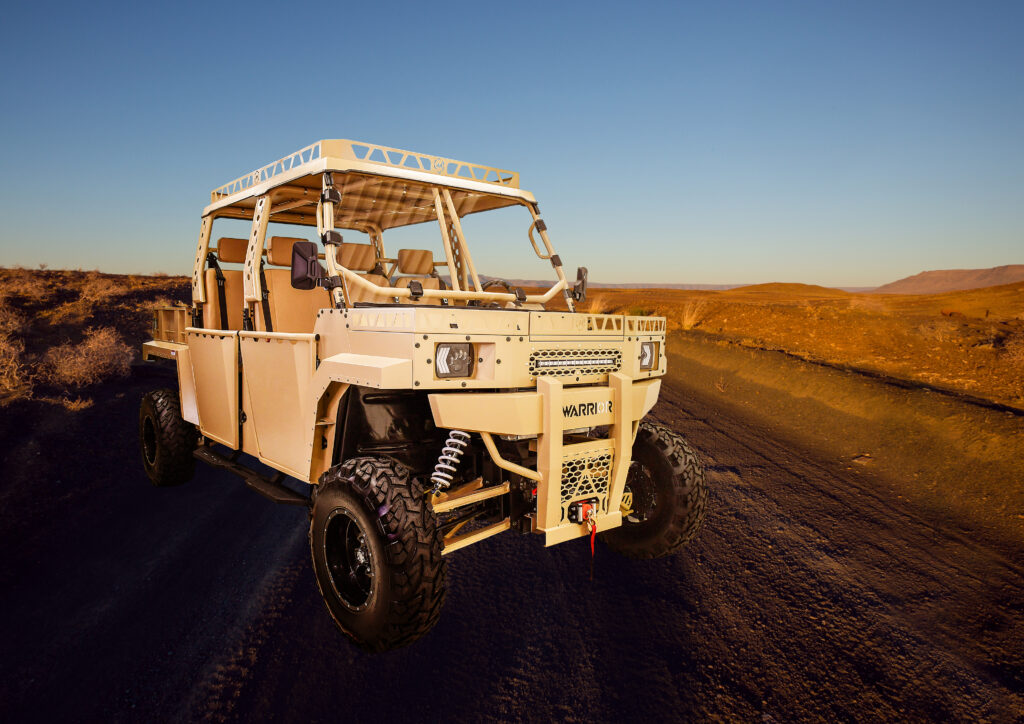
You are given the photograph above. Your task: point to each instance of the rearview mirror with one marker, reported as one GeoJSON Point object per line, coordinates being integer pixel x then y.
{"type": "Point", "coordinates": [306, 269]}
{"type": "Point", "coordinates": [579, 289]}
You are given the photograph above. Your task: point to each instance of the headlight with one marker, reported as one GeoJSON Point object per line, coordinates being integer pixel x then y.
{"type": "Point", "coordinates": [453, 360]}
{"type": "Point", "coordinates": [648, 355]}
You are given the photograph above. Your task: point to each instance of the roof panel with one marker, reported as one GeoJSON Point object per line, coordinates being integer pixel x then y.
{"type": "Point", "coordinates": [366, 201]}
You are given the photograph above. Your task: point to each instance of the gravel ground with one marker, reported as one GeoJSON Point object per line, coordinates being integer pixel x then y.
{"type": "Point", "coordinates": [813, 593]}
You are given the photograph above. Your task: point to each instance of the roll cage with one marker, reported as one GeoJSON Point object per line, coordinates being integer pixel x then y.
{"type": "Point", "coordinates": [345, 185]}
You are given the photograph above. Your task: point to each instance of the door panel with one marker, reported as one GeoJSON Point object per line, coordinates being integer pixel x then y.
{"type": "Point", "coordinates": [277, 373]}
{"type": "Point", "coordinates": [214, 356]}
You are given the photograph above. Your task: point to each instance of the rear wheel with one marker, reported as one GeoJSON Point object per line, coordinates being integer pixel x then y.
{"type": "Point", "coordinates": [166, 440]}
{"type": "Point", "coordinates": [666, 496]}
{"type": "Point", "coordinates": [377, 553]}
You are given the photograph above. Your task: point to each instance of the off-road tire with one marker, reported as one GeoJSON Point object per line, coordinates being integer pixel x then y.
{"type": "Point", "coordinates": [391, 510]}
{"type": "Point", "coordinates": [165, 439]}
{"type": "Point", "coordinates": [681, 493]}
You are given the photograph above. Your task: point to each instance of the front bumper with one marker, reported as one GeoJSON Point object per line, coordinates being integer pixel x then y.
{"type": "Point", "coordinates": [566, 471]}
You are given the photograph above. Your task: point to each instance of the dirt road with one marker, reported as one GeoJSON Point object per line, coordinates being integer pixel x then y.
{"type": "Point", "coordinates": [812, 594]}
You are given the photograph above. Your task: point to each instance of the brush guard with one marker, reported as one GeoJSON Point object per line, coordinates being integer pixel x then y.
{"type": "Point", "coordinates": [567, 469]}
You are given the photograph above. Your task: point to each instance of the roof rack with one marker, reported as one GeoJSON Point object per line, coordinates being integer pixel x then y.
{"type": "Point", "coordinates": [367, 155]}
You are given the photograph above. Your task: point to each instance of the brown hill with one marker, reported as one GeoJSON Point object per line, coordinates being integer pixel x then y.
{"type": "Point", "coordinates": [951, 280]}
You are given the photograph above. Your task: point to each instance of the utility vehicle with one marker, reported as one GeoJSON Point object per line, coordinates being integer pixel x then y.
{"type": "Point", "coordinates": [421, 406]}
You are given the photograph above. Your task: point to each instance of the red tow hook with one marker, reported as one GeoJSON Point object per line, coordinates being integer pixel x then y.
{"type": "Point", "coordinates": [584, 512]}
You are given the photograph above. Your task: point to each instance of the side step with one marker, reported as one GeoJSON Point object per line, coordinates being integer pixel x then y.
{"type": "Point", "coordinates": [270, 489]}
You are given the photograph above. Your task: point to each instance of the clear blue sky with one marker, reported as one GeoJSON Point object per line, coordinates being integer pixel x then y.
{"type": "Point", "coordinates": [840, 143]}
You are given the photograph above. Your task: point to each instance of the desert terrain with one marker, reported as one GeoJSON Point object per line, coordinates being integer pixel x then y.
{"type": "Point", "coordinates": [860, 560]}
{"type": "Point", "coordinates": [968, 342]}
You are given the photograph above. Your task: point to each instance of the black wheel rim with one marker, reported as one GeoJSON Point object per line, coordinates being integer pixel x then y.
{"type": "Point", "coordinates": [640, 483]}
{"type": "Point", "coordinates": [149, 440]}
{"type": "Point", "coordinates": [349, 559]}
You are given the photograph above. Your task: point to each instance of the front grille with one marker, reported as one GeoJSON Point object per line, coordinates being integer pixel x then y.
{"type": "Point", "coordinates": [586, 475]}
{"type": "Point", "coordinates": [564, 362]}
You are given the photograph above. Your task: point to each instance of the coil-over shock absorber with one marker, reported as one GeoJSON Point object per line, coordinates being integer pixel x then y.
{"type": "Point", "coordinates": [448, 460]}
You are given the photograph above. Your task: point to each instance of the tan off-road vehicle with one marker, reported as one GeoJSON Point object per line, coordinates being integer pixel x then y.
{"type": "Point", "coordinates": [427, 407]}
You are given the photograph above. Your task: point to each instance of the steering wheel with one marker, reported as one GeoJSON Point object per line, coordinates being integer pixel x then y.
{"type": "Point", "coordinates": [487, 285]}
{"type": "Point", "coordinates": [495, 282]}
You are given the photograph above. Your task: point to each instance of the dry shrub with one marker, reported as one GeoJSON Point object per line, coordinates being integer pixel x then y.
{"type": "Point", "coordinates": [693, 314]}
{"type": "Point", "coordinates": [1013, 349]}
{"type": "Point", "coordinates": [96, 289]}
{"type": "Point", "coordinates": [599, 304]}
{"type": "Point", "coordinates": [101, 355]}
{"type": "Point", "coordinates": [20, 282]}
{"type": "Point", "coordinates": [79, 403]}
{"type": "Point", "coordinates": [11, 320]}
{"type": "Point", "coordinates": [13, 378]}
{"type": "Point", "coordinates": [69, 313]}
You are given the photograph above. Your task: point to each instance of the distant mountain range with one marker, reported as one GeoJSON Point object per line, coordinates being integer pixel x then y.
{"type": "Point", "coordinates": [953, 280]}
{"type": "Point", "coordinates": [534, 283]}
{"type": "Point", "coordinates": [929, 282]}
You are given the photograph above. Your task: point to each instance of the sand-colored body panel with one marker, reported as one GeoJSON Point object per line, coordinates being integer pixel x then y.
{"type": "Point", "coordinates": [214, 357]}
{"type": "Point", "coordinates": [292, 385]}
{"type": "Point", "coordinates": [277, 371]}
{"type": "Point", "coordinates": [178, 353]}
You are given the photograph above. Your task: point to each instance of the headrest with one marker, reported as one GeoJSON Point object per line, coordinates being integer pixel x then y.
{"type": "Point", "coordinates": [415, 261]}
{"type": "Point", "coordinates": [231, 250]}
{"type": "Point", "coordinates": [279, 251]}
{"type": "Point", "coordinates": [357, 257]}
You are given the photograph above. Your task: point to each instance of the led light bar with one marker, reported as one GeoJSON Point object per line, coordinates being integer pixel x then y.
{"type": "Point", "coordinates": [575, 362]}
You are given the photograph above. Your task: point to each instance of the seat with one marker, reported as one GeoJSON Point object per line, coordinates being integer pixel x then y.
{"type": "Point", "coordinates": [229, 251]}
{"type": "Point", "coordinates": [418, 265]}
{"type": "Point", "coordinates": [362, 259]}
{"type": "Point", "coordinates": [291, 309]}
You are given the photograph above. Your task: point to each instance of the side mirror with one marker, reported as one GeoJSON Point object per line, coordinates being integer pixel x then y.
{"type": "Point", "coordinates": [579, 289]}
{"type": "Point", "coordinates": [306, 269]}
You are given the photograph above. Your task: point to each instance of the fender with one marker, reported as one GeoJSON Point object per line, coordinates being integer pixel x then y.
{"type": "Point", "coordinates": [373, 411]}
{"type": "Point", "coordinates": [178, 354]}
{"type": "Point", "coordinates": [393, 423]}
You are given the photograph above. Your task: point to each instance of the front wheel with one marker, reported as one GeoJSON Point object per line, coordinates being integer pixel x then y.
{"type": "Point", "coordinates": [377, 553]}
{"type": "Point", "coordinates": [666, 496]}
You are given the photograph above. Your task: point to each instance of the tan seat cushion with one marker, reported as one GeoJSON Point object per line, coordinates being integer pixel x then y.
{"type": "Point", "coordinates": [231, 250]}
{"type": "Point", "coordinates": [232, 297]}
{"type": "Point", "coordinates": [415, 261]}
{"type": "Point", "coordinates": [291, 309]}
{"type": "Point", "coordinates": [357, 257]}
{"type": "Point", "coordinates": [279, 250]}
